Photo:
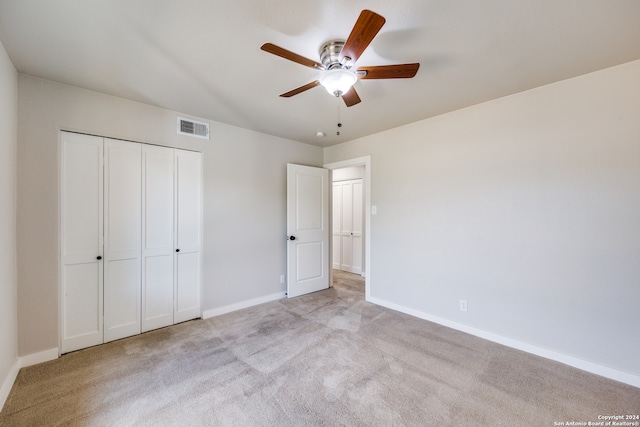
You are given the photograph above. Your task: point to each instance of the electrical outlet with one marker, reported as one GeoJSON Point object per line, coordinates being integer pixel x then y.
{"type": "Point", "coordinates": [282, 278]}
{"type": "Point", "coordinates": [463, 305]}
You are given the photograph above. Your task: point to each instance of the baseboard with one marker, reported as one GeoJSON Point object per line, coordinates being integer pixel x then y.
{"type": "Point", "coordinates": [244, 304]}
{"type": "Point", "coordinates": [40, 357]}
{"type": "Point", "coordinates": [8, 382]}
{"type": "Point", "coordinates": [22, 362]}
{"type": "Point", "coordinates": [594, 368]}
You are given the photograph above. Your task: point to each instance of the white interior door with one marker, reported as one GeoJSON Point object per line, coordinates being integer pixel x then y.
{"type": "Point", "coordinates": [81, 241]}
{"type": "Point", "coordinates": [122, 239]}
{"type": "Point", "coordinates": [157, 237]}
{"type": "Point", "coordinates": [307, 229]}
{"type": "Point", "coordinates": [188, 238]}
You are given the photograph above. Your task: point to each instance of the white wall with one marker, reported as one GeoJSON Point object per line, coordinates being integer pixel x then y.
{"type": "Point", "coordinates": [528, 207]}
{"type": "Point", "coordinates": [8, 281]}
{"type": "Point", "coordinates": [344, 174]}
{"type": "Point", "coordinates": [244, 198]}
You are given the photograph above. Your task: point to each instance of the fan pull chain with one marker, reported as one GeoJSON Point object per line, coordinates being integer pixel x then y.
{"type": "Point", "coordinates": [339, 123]}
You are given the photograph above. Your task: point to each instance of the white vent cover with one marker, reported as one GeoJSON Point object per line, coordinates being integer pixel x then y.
{"type": "Point", "coordinates": [193, 128]}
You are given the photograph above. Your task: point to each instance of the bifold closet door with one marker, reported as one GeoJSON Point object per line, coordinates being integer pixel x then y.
{"type": "Point", "coordinates": [81, 273]}
{"type": "Point", "coordinates": [188, 235]}
{"type": "Point", "coordinates": [336, 225]}
{"type": "Point", "coordinates": [357, 226]}
{"type": "Point", "coordinates": [157, 237]}
{"type": "Point", "coordinates": [131, 238]}
{"type": "Point", "coordinates": [348, 225]}
{"type": "Point", "coordinates": [346, 233]}
{"type": "Point", "coordinates": [122, 238]}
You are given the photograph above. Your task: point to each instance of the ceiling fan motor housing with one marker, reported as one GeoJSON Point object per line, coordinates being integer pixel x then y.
{"type": "Point", "coordinates": [330, 55]}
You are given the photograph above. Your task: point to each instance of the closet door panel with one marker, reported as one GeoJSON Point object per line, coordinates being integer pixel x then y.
{"type": "Point", "coordinates": [82, 302]}
{"type": "Point", "coordinates": [357, 227]}
{"type": "Point", "coordinates": [336, 225]}
{"type": "Point", "coordinates": [157, 307]}
{"type": "Point", "coordinates": [81, 273]}
{"type": "Point", "coordinates": [122, 294]}
{"type": "Point", "coordinates": [188, 194]}
{"type": "Point", "coordinates": [347, 224]}
{"type": "Point", "coordinates": [157, 237]}
{"type": "Point", "coordinates": [188, 229]}
{"type": "Point", "coordinates": [122, 239]}
{"type": "Point", "coordinates": [188, 290]}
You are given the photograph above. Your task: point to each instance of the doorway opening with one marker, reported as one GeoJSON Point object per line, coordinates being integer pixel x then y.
{"type": "Point", "coordinates": [350, 237]}
{"type": "Point", "coordinates": [347, 227]}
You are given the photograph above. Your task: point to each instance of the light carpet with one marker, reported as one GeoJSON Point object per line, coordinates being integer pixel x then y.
{"type": "Point", "coordinates": [328, 358]}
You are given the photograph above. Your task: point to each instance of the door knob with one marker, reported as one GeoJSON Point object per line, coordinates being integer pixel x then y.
{"type": "Point", "coordinates": [177, 250]}
{"type": "Point", "coordinates": [292, 237]}
{"type": "Point", "coordinates": [98, 257]}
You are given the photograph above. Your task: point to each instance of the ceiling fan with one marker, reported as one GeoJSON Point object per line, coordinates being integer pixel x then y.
{"type": "Point", "coordinates": [338, 56]}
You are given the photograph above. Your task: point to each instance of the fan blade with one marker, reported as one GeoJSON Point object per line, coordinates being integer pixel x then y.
{"type": "Point", "coordinates": [351, 98]}
{"type": "Point", "coordinates": [287, 54]}
{"type": "Point", "coordinates": [397, 71]}
{"type": "Point", "coordinates": [300, 89]}
{"type": "Point", "coordinates": [365, 29]}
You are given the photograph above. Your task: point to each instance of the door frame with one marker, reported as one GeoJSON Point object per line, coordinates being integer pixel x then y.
{"type": "Point", "coordinates": [366, 162]}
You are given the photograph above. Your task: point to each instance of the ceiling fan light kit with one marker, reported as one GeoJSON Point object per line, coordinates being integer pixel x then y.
{"type": "Point", "coordinates": [338, 81]}
{"type": "Point", "coordinates": [337, 57]}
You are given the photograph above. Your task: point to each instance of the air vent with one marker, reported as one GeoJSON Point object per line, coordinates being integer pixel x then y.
{"type": "Point", "coordinates": [193, 128]}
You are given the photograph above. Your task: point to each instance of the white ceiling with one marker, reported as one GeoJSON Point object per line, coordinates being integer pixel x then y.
{"type": "Point", "coordinates": [203, 57]}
